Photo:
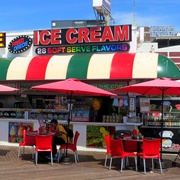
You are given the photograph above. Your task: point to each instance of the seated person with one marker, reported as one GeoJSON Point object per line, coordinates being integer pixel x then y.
{"type": "Point", "coordinates": [59, 138]}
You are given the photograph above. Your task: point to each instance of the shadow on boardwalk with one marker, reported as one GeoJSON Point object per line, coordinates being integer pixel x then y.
{"type": "Point", "coordinates": [90, 167]}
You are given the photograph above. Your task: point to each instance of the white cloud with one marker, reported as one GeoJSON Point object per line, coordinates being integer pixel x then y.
{"type": "Point", "coordinates": [141, 20]}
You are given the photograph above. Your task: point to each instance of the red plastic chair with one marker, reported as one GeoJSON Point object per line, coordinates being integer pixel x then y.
{"type": "Point", "coordinates": [71, 146]}
{"type": "Point", "coordinates": [108, 150]}
{"type": "Point", "coordinates": [43, 143]}
{"type": "Point", "coordinates": [117, 150]}
{"type": "Point", "coordinates": [151, 149]}
{"type": "Point", "coordinates": [27, 141]}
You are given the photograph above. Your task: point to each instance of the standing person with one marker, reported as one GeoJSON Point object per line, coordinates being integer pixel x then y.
{"type": "Point", "coordinates": [59, 138]}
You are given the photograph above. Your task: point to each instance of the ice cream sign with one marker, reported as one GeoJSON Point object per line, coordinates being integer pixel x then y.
{"type": "Point", "coordinates": [20, 44]}
{"type": "Point", "coordinates": [83, 40]}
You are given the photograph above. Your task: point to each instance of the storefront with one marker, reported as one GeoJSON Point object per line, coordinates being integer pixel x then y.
{"type": "Point", "coordinates": [108, 62]}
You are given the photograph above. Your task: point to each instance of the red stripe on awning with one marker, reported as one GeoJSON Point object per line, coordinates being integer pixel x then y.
{"type": "Point", "coordinates": [122, 60]}
{"type": "Point", "coordinates": [40, 64]}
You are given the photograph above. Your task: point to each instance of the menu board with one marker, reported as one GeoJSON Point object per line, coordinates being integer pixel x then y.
{"type": "Point", "coordinates": [144, 105]}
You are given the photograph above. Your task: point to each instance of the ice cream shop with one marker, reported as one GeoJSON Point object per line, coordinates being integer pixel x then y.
{"type": "Point", "coordinates": [105, 57]}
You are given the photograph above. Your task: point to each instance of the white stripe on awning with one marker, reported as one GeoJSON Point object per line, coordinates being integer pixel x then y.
{"type": "Point", "coordinates": [100, 66]}
{"type": "Point", "coordinates": [15, 70]}
{"type": "Point", "coordinates": [57, 67]}
{"type": "Point", "coordinates": [145, 65]}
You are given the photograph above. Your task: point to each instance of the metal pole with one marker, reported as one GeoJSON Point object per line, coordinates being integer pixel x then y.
{"type": "Point", "coordinates": [162, 120]}
{"type": "Point", "coordinates": [69, 119]}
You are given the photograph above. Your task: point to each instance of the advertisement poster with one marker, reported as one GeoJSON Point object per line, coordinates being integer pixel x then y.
{"type": "Point", "coordinates": [95, 135]}
{"type": "Point", "coordinates": [144, 105]}
{"type": "Point", "coordinates": [80, 115]}
{"type": "Point", "coordinates": [16, 131]}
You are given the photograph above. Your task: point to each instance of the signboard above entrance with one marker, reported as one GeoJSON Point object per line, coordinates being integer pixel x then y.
{"type": "Point", "coordinates": [83, 40]}
{"type": "Point", "coordinates": [85, 35]}
{"type": "Point", "coordinates": [122, 47]}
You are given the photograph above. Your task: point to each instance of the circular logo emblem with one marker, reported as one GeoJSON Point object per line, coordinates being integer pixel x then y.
{"type": "Point", "coordinates": [20, 44]}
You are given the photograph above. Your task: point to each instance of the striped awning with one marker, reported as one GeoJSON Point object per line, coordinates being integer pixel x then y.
{"type": "Point", "coordinates": [89, 66]}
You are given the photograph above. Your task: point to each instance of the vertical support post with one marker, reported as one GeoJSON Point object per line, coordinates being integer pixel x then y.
{"type": "Point", "coordinates": [162, 120]}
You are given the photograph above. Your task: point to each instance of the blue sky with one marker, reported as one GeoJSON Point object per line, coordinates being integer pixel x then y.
{"type": "Point", "coordinates": [37, 14]}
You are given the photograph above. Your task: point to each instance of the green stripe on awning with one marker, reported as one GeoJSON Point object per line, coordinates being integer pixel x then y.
{"type": "Point", "coordinates": [78, 66]}
{"type": "Point", "coordinates": [167, 68]}
{"type": "Point", "coordinates": [4, 64]}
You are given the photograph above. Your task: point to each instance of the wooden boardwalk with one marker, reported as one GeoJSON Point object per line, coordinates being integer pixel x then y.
{"type": "Point", "coordinates": [90, 167]}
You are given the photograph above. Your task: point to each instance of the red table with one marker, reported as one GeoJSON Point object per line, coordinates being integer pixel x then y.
{"type": "Point", "coordinates": [35, 133]}
{"type": "Point", "coordinates": [139, 143]}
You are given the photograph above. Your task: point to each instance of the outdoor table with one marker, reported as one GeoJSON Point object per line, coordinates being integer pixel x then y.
{"type": "Point", "coordinates": [139, 143]}
{"type": "Point", "coordinates": [31, 133]}
{"type": "Point", "coordinates": [35, 133]}
{"type": "Point", "coordinates": [32, 136]}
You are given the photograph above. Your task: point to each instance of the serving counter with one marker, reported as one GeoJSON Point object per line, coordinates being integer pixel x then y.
{"type": "Point", "coordinates": [90, 132]}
